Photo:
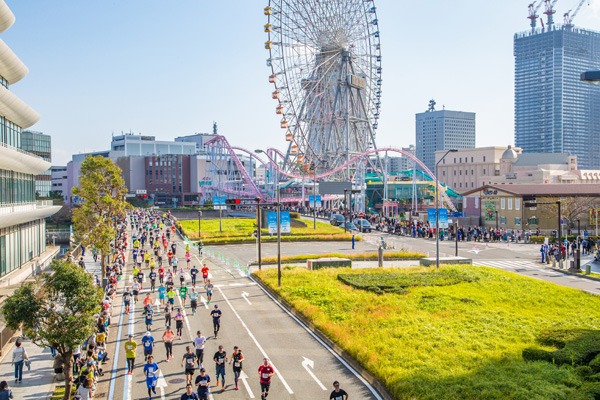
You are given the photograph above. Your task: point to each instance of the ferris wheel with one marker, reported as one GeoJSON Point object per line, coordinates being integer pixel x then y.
{"type": "Point", "coordinates": [325, 60]}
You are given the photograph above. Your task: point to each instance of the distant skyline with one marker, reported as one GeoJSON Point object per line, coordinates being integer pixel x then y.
{"type": "Point", "coordinates": [168, 69]}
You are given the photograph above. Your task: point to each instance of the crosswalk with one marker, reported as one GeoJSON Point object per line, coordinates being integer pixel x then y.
{"type": "Point", "coordinates": [520, 266]}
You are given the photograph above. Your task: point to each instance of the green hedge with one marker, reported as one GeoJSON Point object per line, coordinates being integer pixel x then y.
{"type": "Point", "coordinates": [575, 346]}
{"type": "Point", "coordinates": [540, 239]}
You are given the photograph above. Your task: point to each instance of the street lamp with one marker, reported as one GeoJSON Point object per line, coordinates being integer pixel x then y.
{"type": "Point", "coordinates": [591, 77]}
{"type": "Point", "coordinates": [220, 210]}
{"type": "Point", "coordinates": [278, 206]}
{"type": "Point", "coordinates": [437, 212]}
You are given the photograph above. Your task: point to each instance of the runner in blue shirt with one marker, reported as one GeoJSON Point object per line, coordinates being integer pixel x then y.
{"type": "Point", "coordinates": [194, 272]}
{"type": "Point", "coordinates": [161, 294]}
{"type": "Point", "coordinates": [151, 371]}
{"type": "Point", "coordinates": [148, 342]}
{"type": "Point", "coordinates": [203, 382]}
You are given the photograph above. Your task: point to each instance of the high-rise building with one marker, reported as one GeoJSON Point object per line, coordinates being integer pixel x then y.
{"type": "Point", "coordinates": [40, 145]}
{"type": "Point", "coordinates": [443, 130]}
{"type": "Point", "coordinates": [22, 219]}
{"type": "Point", "coordinates": [60, 180]}
{"type": "Point", "coordinates": [554, 111]}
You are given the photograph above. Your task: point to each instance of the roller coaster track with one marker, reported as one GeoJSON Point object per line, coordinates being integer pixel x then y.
{"type": "Point", "coordinates": [255, 191]}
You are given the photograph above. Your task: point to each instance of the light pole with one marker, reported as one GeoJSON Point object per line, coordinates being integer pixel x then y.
{"type": "Point", "coordinates": [220, 214]}
{"type": "Point", "coordinates": [437, 212]}
{"type": "Point", "coordinates": [313, 169]}
{"type": "Point", "coordinates": [200, 225]}
{"type": "Point", "coordinates": [278, 207]}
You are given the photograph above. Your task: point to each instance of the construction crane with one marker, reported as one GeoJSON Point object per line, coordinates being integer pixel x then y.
{"type": "Point", "coordinates": [569, 17]}
{"type": "Point", "coordinates": [533, 13]}
{"type": "Point", "coordinates": [550, 11]}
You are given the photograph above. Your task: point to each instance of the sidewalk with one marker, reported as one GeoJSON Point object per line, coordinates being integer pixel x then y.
{"type": "Point", "coordinates": [38, 383]}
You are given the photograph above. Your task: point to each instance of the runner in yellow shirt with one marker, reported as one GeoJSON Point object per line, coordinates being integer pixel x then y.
{"type": "Point", "coordinates": [130, 347]}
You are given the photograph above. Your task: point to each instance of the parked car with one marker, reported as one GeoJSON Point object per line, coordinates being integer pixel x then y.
{"type": "Point", "coordinates": [351, 226]}
{"type": "Point", "coordinates": [363, 225]}
{"type": "Point", "coordinates": [336, 219]}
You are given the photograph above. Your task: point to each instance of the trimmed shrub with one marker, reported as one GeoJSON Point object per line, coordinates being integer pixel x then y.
{"type": "Point", "coordinates": [587, 391]}
{"type": "Point", "coordinates": [576, 346]}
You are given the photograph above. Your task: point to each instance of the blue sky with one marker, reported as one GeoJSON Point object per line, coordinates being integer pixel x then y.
{"type": "Point", "coordinates": [171, 68]}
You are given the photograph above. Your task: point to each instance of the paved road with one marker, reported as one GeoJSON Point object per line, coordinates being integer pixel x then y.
{"type": "Point", "coordinates": [252, 321]}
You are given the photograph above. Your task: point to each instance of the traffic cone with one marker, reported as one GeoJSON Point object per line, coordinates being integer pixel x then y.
{"type": "Point", "coordinates": [227, 261]}
{"type": "Point", "coordinates": [486, 246]}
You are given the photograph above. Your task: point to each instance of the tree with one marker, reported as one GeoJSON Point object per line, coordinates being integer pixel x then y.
{"type": "Point", "coordinates": [102, 191]}
{"type": "Point", "coordinates": [56, 308]}
{"type": "Point", "coordinates": [572, 209]}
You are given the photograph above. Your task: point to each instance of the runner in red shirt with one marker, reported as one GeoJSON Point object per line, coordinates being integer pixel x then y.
{"type": "Point", "coordinates": [170, 257]}
{"type": "Point", "coordinates": [265, 372]}
{"type": "Point", "coordinates": [161, 274]}
{"type": "Point", "coordinates": [204, 273]}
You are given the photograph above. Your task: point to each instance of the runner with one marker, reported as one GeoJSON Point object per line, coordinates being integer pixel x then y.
{"type": "Point", "coordinates": [151, 372]}
{"type": "Point", "coordinates": [147, 300]}
{"type": "Point", "coordinates": [149, 313]}
{"type": "Point", "coordinates": [216, 316]}
{"type": "Point", "coordinates": [203, 382]}
{"type": "Point", "coordinates": [161, 274]}
{"type": "Point", "coordinates": [194, 300]}
{"type": "Point", "coordinates": [175, 262]}
{"type": "Point", "coordinates": [130, 346]}
{"type": "Point", "coordinates": [205, 273]}
{"type": "Point", "coordinates": [127, 299]}
{"type": "Point", "coordinates": [170, 257]}
{"type": "Point", "coordinates": [189, 359]}
{"type": "Point", "coordinates": [188, 258]}
{"type": "Point", "coordinates": [179, 323]}
{"type": "Point", "coordinates": [220, 359]}
{"type": "Point", "coordinates": [189, 393]}
{"type": "Point", "coordinates": [174, 248]}
{"type": "Point", "coordinates": [140, 279]}
{"type": "Point", "coordinates": [170, 283]}
{"type": "Point", "coordinates": [147, 259]}
{"type": "Point", "coordinates": [338, 394]}
{"type": "Point", "coordinates": [152, 263]}
{"type": "Point", "coordinates": [171, 296]}
{"type": "Point", "coordinates": [199, 342]}
{"type": "Point", "coordinates": [168, 337]}
{"type": "Point", "coordinates": [148, 342]}
{"type": "Point", "coordinates": [136, 290]}
{"type": "Point", "coordinates": [209, 289]}
{"type": "Point", "coordinates": [237, 359]}
{"type": "Point", "coordinates": [181, 277]}
{"type": "Point", "coordinates": [183, 294]}
{"type": "Point", "coordinates": [152, 276]}
{"type": "Point", "coordinates": [161, 294]}
{"type": "Point", "coordinates": [193, 274]}
{"type": "Point", "coordinates": [168, 314]}
{"type": "Point", "coordinates": [265, 372]}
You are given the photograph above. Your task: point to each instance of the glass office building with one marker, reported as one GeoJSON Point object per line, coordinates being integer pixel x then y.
{"type": "Point", "coordinates": [41, 145]}
{"type": "Point", "coordinates": [554, 111]}
{"type": "Point", "coordinates": [22, 218]}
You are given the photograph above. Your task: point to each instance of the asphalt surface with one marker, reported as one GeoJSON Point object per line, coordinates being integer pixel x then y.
{"type": "Point", "coordinates": [305, 368]}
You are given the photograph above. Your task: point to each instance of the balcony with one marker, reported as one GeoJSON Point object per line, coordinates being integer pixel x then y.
{"type": "Point", "coordinates": [15, 214]}
{"type": "Point", "coordinates": [15, 159]}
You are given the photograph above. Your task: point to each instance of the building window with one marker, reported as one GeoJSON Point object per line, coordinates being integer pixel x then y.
{"type": "Point", "coordinates": [472, 172]}
{"type": "Point", "coordinates": [476, 202]}
{"type": "Point", "coordinates": [484, 171]}
{"type": "Point", "coordinates": [510, 203]}
{"type": "Point", "coordinates": [460, 184]}
{"type": "Point", "coordinates": [443, 173]}
{"type": "Point", "coordinates": [454, 160]}
{"type": "Point", "coordinates": [471, 159]}
{"type": "Point", "coordinates": [483, 158]}
{"type": "Point", "coordinates": [517, 204]}
{"type": "Point", "coordinates": [454, 172]}
{"type": "Point", "coordinates": [502, 203]}
{"type": "Point", "coordinates": [460, 172]}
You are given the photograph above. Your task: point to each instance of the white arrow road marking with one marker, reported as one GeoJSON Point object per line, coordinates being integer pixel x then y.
{"type": "Point", "coordinates": [245, 296]}
{"type": "Point", "coordinates": [244, 379]}
{"type": "Point", "coordinates": [161, 384]}
{"type": "Point", "coordinates": [203, 301]}
{"type": "Point", "coordinates": [283, 381]}
{"type": "Point", "coordinates": [187, 320]}
{"type": "Point", "coordinates": [157, 304]}
{"type": "Point", "coordinates": [306, 363]}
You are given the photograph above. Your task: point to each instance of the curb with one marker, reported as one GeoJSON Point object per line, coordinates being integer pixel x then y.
{"type": "Point", "coordinates": [377, 385]}
{"type": "Point", "coordinates": [566, 271]}
{"type": "Point", "coordinates": [255, 263]}
{"type": "Point", "coordinates": [270, 241]}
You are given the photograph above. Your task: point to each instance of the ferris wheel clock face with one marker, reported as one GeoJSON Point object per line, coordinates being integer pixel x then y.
{"type": "Point", "coordinates": [325, 60]}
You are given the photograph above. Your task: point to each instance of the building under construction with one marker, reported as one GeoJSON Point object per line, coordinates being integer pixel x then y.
{"type": "Point", "coordinates": [554, 111]}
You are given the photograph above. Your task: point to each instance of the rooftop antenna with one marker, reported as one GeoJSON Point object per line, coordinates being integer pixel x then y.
{"type": "Point", "coordinates": [533, 13]}
{"type": "Point", "coordinates": [431, 105]}
{"type": "Point", "coordinates": [214, 128]}
{"type": "Point", "coordinates": [550, 11]}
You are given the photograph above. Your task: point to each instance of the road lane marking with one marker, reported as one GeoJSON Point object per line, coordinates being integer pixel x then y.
{"type": "Point", "coordinates": [187, 320]}
{"type": "Point", "coordinates": [318, 339]}
{"type": "Point", "coordinates": [245, 296]}
{"type": "Point", "coordinates": [283, 381]}
{"type": "Point", "coordinates": [129, 378]}
{"type": "Point", "coordinates": [113, 378]}
{"type": "Point", "coordinates": [161, 383]}
{"type": "Point", "coordinates": [244, 379]}
{"type": "Point", "coordinates": [306, 363]}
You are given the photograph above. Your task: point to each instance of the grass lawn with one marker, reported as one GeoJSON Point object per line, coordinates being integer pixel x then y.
{"type": "Point", "coordinates": [462, 337]}
{"type": "Point", "coordinates": [240, 230]}
{"type": "Point", "coordinates": [353, 256]}
{"type": "Point", "coordinates": [59, 392]}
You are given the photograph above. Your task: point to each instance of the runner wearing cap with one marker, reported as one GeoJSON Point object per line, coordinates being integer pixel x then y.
{"type": "Point", "coordinates": [149, 313]}
{"type": "Point", "coordinates": [209, 289]}
{"type": "Point", "coordinates": [127, 299]}
{"type": "Point", "coordinates": [216, 316]}
{"type": "Point", "coordinates": [194, 300]}
{"type": "Point", "coordinates": [265, 372]}
{"type": "Point", "coordinates": [203, 382]}
{"type": "Point", "coordinates": [148, 342]}
{"type": "Point", "coordinates": [130, 346]}
{"type": "Point", "coordinates": [199, 342]}
{"type": "Point", "coordinates": [189, 359]}
{"type": "Point", "coordinates": [220, 359]}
